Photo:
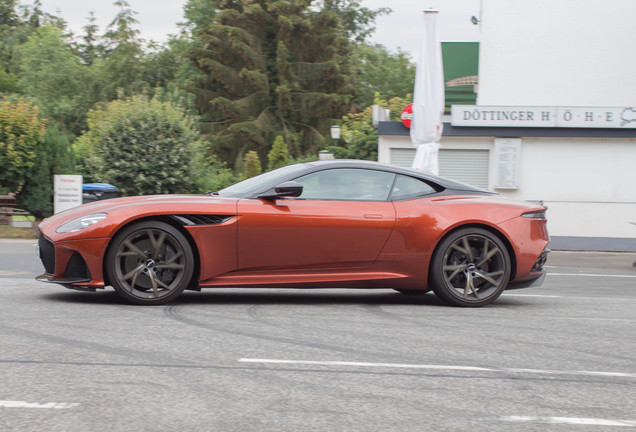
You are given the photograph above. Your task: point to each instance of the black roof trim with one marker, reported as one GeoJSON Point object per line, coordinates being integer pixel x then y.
{"type": "Point", "coordinates": [365, 164]}
{"type": "Point", "coordinates": [398, 128]}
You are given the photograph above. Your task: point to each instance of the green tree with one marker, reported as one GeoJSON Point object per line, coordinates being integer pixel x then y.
{"type": "Point", "coordinates": [142, 146]}
{"type": "Point", "coordinates": [278, 156]}
{"type": "Point", "coordinates": [271, 68]}
{"type": "Point", "coordinates": [121, 65]}
{"type": "Point", "coordinates": [252, 164]}
{"type": "Point", "coordinates": [379, 71]}
{"type": "Point", "coordinates": [199, 15]}
{"type": "Point", "coordinates": [360, 135]}
{"type": "Point", "coordinates": [357, 21]}
{"type": "Point", "coordinates": [17, 23]}
{"type": "Point", "coordinates": [212, 174]}
{"type": "Point", "coordinates": [55, 157]}
{"type": "Point", "coordinates": [51, 74]}
{"type": "Point", "coordinates": [90, 48]}
{"type": "Point", "coordinates": [21, 133]}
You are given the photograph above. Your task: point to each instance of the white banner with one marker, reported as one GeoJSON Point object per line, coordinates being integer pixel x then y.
{"type": "Point", "coordinates": [428, 98]}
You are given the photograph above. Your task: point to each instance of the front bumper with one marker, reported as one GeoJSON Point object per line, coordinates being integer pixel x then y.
{"type": "Point", "coordinates": [74, 264]}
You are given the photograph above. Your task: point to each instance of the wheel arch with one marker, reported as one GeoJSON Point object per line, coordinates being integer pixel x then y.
{"type": "Point", "coordinates": [170, 221]}
{"type": "Point", "coordinates": [500, 235]}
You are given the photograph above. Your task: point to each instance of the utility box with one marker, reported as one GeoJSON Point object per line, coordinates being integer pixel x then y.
{"type": "Point", "coordinates": [98, 191]}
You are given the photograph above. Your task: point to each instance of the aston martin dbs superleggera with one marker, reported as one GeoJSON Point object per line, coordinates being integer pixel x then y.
{"type": "Point", "coordinates": [321, 224]}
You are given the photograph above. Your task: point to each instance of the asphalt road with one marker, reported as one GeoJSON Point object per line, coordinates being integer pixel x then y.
{"type": "Point", "coordinates": [561, 357]}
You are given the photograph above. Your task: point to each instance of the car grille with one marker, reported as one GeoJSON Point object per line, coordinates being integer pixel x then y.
{"type": "Point", "coordinates": [47, 254]}
{"type": "Point", "coordinates": [77, 268]}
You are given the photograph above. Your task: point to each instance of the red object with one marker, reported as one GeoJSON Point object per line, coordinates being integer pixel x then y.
{"type": "Point", "coordinates": [355, 224]}
{"type": "Point", "coordinates": [407, 115]}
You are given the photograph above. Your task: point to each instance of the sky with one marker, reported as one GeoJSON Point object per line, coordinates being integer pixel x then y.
{"type": "Point", "coordinates": [401, 29]}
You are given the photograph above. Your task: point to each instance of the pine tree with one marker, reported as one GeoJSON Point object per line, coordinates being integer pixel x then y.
{"type": "Point", "coordinates": [252, 164]}
{"type": "Point", "coordinates": [271, 68]}
{"type": "Point", "coordinates": [278, 156]}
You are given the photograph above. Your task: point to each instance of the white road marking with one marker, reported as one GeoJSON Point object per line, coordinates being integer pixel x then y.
{"type": "Point", "coordinates": [11, 273]}
{"type": "Point", "coordinates": [569, 420]}
{"type": "Point", "coordinates": [45, 405]}
{"type": "Point", "coordinates": [441, 367]}
{"type": "Point", "coordinates": [593, 275]}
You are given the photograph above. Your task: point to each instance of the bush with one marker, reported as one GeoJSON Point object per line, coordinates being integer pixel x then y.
{"type": "Point", "coordinates": [21, 140]}
{"type": "Point", "coordinates": [142, 146]}
{"type": "Point", "coordinates": [252, 164]}
{"type": "Point", "coordinates": [278, 156]}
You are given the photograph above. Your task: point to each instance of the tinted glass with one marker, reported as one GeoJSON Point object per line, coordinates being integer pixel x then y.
{"type": "Point", "coordinates": [409, 187]}
{"type": "Point", "coordinates": [261, 182]}
{"type": "Point", "coordinates": [347, 184]}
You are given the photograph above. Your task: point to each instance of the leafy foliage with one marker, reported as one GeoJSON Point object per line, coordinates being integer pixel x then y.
{"type": "Point", "coordinates": [255, 72]}
{"type": "Point", "coordinates": [21, 133]}
{"type": "Point", "coordinates": [278, 156]}
{"type": "Point", "coordinates": [142, 146]}
{"type": "Point", "coordinates": [55, 157]}
{"type": "Point", "coordinates": [52, 75]}
{"type": "Point", "coordinates": [359, 133]}
{"type": "Point", "coordinates": [252, 164]}
{"type": "Point", "coordinates": [270, 68]}
{"type": "Point", "coordinates": [358, 21]}
{"type": "Point", "coordinates": [379, 71]}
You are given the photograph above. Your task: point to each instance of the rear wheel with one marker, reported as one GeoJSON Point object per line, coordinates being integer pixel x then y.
{"type": "Point", "coordinates": [470, 267]}
{"type": "Point", "coordinates": [150, 263]}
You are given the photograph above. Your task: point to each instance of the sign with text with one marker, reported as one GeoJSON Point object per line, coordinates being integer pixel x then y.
{"type": "Point", "coordinates": [507, 161]}
{"type": "Point", "coordinates": [68, 192]}
{"type": "Point", "coordinates": [518, 116]}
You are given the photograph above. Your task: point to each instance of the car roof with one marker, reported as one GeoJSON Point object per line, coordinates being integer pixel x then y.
{"type": "Point", "coordinates": [365, 164]}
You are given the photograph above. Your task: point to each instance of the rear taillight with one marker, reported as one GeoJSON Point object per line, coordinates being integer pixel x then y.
{"type": "Point", "coordinates": [535, 215]}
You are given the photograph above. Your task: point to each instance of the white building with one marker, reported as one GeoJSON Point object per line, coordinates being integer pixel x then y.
{"type": "Point", "coordinates": [555, 118]}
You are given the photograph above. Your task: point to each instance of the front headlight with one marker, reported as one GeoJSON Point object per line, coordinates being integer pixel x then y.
{"type": "Point", "coordinates": [81, 223]}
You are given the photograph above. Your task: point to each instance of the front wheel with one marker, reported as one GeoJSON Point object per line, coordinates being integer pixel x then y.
{"type": "Point", "coordinates": [470, 268]}
{"type": "Point", "coordinates": [149, 263]}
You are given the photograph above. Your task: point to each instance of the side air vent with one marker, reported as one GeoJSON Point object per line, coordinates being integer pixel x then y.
{"type": "Point", "coordinates": [202, 219]}
{"type": "Point", "coordinates": [77, 268]}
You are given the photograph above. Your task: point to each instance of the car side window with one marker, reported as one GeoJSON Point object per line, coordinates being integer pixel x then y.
{"type": "Point", "coordinates": [347, 184]}
{"type": "Point", "coordinates": [409, 187]}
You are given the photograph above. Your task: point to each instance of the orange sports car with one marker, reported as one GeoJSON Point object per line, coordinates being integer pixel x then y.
{"type": "Point", "coordinates": [343, 223]}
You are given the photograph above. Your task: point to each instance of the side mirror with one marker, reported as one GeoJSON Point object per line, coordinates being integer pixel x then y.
{"type": "Point", "coordinates": [285, 189]}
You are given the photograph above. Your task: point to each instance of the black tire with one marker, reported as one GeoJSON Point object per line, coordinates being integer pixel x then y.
{"type": "Point", "coordinates": [149, 263]}
{"type": "Point", "coordinates": [470, 268]}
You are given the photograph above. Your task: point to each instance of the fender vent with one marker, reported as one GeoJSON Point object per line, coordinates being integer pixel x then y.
{"type": "Point", "coordinates": [202, 219]}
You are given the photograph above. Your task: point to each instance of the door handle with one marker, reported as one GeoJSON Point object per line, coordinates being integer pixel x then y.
{"type": "Point", "coordinates": [372, 216]}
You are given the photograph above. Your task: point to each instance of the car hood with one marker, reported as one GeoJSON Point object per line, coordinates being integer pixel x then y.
{"type": "Point", "coordinates": [122, 210]}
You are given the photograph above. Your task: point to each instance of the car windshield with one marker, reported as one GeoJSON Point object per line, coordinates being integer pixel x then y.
{"type": "Point", "coordinates": [262, 182]}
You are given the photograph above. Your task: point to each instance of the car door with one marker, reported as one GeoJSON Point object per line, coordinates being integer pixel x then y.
{"type": "Point", "coordinates": [342, 219]}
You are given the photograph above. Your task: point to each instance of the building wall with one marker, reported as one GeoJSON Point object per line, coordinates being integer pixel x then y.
{"type": "Point", "coordinates": [588, 184]}
{"type": "Point", "coordinates": [557, 53]}
{"type": "Point", "coordinates": [564, 53]}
